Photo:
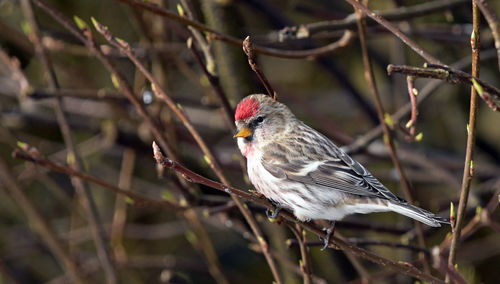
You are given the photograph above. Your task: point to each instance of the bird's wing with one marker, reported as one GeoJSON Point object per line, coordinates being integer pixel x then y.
{"type": "Point", "coordinates": [338, 172]}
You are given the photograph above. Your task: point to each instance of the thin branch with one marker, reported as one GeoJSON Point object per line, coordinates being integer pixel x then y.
{"type": "Point", "coordinates": [471, 138]}
{"type": "Point", "coordinates": [393, 29]}
{"type": "Point", "coordinates": [40, 224]}
{"type": "Point", "coordinates": [493, 22]}
{"type": "Point", "coordinates": [349, 22]}
{"type": "Point", "coordinates": [315, 52]}
{"type": "Point", "coordinates": [388, 138]}
{"type": "Point", "coordinates": [304, 264]}
{"type": "Point", "coordinates": [196, 178]}
{"type": "Point", "coordinates": [489, 93]}
{"type": "Point", "coordinates": [209, 157]}
{"type": "Point", "coordinates": [366, 242]}
{"type": "Point", "coordinates": [31, 154]}
{"type": "Point", "coordinates": [74, 159]}
{"type": "Point", "coordinates": [404, 110]}
{"type": "Point", "coordinates": [250, 52]}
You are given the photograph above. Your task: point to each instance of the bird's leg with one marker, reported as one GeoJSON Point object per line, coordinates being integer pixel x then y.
{"type": "Point", "coordinates": [329, 233]}
{"type": "Point", "coordinates": [273, 213]}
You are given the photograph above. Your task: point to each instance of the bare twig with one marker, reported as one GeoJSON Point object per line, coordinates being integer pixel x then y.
{"type": "Point", "coordinates": [315, 52]}
{"type": "Point", "coordinates": [386, 24]}
{"type": "Point", "coordinates": [349, 22]}
{"type": "Point", "coordinates": [195, 178]}
{"type": "Point", "coordinates": [120, 215]}
{"type": "Point", "coordinates": [412, 92]}
{"type": "Point", "coordinates": [250, 52]}
{"type": "Point", "coordinates": [304, 264]}
{"type": "Point", "coordinates": [489, 93]}
{"type": "Point", "coordinates": [40, 224]}
{"type": "Point", "coordinates": [471, 138]}
{"type": "Point", "coordinates": [73, 157]}
{"type": "Point", "coordinates": [32, 155]}
{"type": "Point", "coordinates": [493, 22]}
{"type": "Point", "coordinates": [209, 157]}
{"type": "Point", "coordinates": [439, 263]}
{"type": "Point", "coordinates": [388, 139]}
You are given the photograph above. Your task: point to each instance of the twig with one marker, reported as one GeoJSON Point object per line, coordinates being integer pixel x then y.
{"type": "Point", "coordinates": [74, 160]}
{"type": "Point", "coordinates": [315, 52]}
{"type": "Point", "coordinates": [196, 178]}
{"type": "Point", "coordinates": [120, 214]}
{"type": "Point", "coordinates": [471, 138]}
{"type": "Point", "coordinates": [424, 93]}
{"type": "Point", "coordinates": [493, 22]}
{"type": "Point", "coordinates": [250, 52]}
{"type": "Point", "coordinates": [40, 224]}
{"type": "Point", "coordinates": [386, 24]}
{"type": "Point", "coordinates": [388, 139]}
{"type": "Point", "coordinates": [489, 93]}
{"type": "Point", "coordinates": [412, 92]}
{"type": "Point", "coordinates": [349, 22]}
{"type": "Point", "coordinates": [214, 82]}
{"type": "Point", "coordinates": [304, 264]}
{"type": "Point", "coordinates": [85, 36]}
{"type": "Point", "coordinates": [209, 157]}
{"type": "Point", "coordinates": [439, 263]}
{"type": "Point", "coordinates": [366, 242]}
{"type": "Point", "coordinates": [31, 154]}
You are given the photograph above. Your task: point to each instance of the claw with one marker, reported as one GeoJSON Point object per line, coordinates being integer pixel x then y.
{"type": "Point", "coordinates": [329, 233]}
{"type": "Point", "coordinates": [273, 213]}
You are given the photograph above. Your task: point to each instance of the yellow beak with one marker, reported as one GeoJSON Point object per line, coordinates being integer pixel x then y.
{"type": "Point", "coordinates": [244, 132]}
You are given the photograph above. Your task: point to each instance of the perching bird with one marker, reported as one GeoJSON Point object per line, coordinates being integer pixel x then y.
{"type": "Point", "coordinates": [300, 169]}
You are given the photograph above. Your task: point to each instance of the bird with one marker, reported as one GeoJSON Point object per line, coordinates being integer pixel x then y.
{"type": "Point", "coordinates": [301, 170]}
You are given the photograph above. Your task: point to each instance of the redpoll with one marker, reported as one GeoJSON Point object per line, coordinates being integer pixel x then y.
{"type": "Point", "coordinates": [300, 169]}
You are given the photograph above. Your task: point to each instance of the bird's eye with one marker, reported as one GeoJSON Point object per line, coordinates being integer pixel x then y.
{"type": "Point", "coordinates": [259, 119]}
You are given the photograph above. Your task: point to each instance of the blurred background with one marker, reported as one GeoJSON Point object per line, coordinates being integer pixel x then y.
{"type": "Point", "coordinates": [118, 238]}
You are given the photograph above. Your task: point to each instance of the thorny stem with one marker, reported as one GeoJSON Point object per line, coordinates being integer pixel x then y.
{"type": "Point", "coordinates": [388, 139]}
{"type": "Point", "coordinates": [471, 138]}
{"type": "Point", "coordinates": [102, 247]}
{"type": "Point", "coordinates": [210, 158]}
{"type": "Point", "coordinates": [191, 176]}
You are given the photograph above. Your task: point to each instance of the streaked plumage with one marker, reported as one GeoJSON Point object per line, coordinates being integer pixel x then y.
{"type": "Point", "coordinates": [300, 169]}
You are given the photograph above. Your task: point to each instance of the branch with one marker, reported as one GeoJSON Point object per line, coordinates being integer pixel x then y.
{"type": "Point", "coordinates": [349, 22]}
{"type": "Point", "coordinates": [209, 157]}
{"type": "Point", "coordinates": [487, 92]}
{"type": "Point", "coordinates": [393, 29]}
{"type": "Point", "coordinates": [191, 176]}
{"type": "Point", "coordinates": [315, 52]}
{"type": "Point", "coordinates": [471, 138]}
{"type": "Point", "coordinates": [493, 22]}
{"type": "Point", "coordinates": [31, 154]}
{"type": "Point", "coordinates": [388, 135]}
{"type": "Point", "coordinates": [73, 158]}
{"type": "Point", "coordinates": [250, 52]}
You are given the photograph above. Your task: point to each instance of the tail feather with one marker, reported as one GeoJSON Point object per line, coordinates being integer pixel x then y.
{"type": "Point", "coordinates": [418, 214]}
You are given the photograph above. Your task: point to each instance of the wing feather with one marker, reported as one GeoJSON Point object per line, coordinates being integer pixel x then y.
{"type": "Point", "coordinates": [335, 171]}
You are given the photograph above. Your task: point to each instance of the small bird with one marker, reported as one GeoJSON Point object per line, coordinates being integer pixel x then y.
{"type": "Point", "coordinates": [301, 170]}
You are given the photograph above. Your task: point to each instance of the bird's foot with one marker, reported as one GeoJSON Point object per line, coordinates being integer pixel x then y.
{"type": "Point", "coordinates": [273, 213]}
{"type": "Point", "coordinates": [330, 231]}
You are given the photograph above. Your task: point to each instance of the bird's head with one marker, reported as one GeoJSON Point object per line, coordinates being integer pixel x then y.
{"type": "Point", "coordinates": [260, 120]}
